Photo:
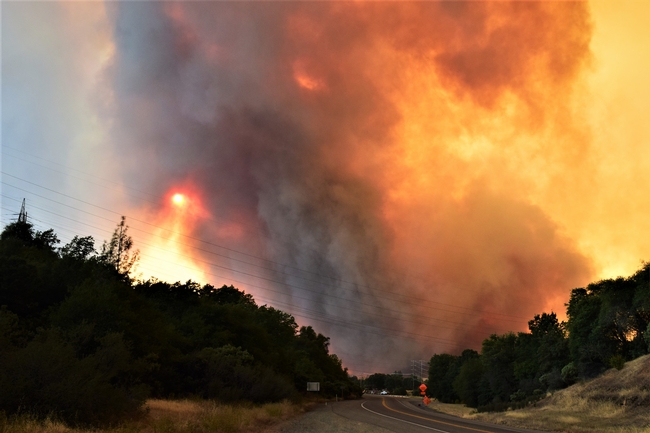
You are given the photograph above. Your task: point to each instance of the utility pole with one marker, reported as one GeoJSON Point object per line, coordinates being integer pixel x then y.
{"type": "Point", "coordinates": [412, 375]}
{"type": "Point", "coordinates": [422, 364]}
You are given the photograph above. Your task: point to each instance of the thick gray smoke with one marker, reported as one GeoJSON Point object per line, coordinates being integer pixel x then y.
{"type": "Point", "coordinates": [286, 118]}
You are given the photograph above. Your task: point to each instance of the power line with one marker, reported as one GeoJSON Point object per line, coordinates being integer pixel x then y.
{"type": "Point", "coordinates": [405, 299]}
{"type": "Point", "coordinates": [462, 326]}
{"type": "Point", "coordinates": [415, 300]}
{"type": "Point", "coordinates": [337, 306]}
{"type": "Point", "coordinates": [365, 328]}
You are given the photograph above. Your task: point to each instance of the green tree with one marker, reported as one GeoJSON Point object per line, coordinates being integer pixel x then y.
{"type": "Point", "coordinates": [394, 383]}
{"type": "Point", "coordinates": [11, 336]}
{"type": "Point", "coordinates": [498, 355]}
{"type": "Point", "coordinates": [640, 311]}
{"type": "Point", "coordinates": [443, 369]}
{"type": "Point", "coordinates": [24, 232]}
{"type": "Point", "coordinates": [228, 295]}
{"type": "Point", "coordinates": [46, 378]}
{"type": "Point", "coordinates": [46, 240]}
{"type": "Point", "coordinates": [20, 286]}
{"type": "Point", "coordinates": [79, 248]}
{"type": "Point", "coordinates": [68, 313]}
{"type": "Point", "coordinates": [466, 384]}
{"type": "Point", "coordinates": [587, 344]}
{"type": "Point", "coordinates": [117, 252]}
{"type": "Point", "coordinates": [376, 381]}
{"type": "Point", "coordinates": [569, 373]}
{"type": "Point", "coordinates": [553, 345]}
{"type": "Point", "coordinates": [20, 230]}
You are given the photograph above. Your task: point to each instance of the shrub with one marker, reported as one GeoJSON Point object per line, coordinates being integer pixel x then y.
{"type": "Point", "coordinates": [617, 362]}
{"type": "Point", "coordinates": [552, 380]}
{"type": "Point", "coordinates": [569, 373]}
{"type": "Point", "coordinates": [46, 379]}
{"type": "Point", "coordinates": [518, 396]}
{"type": "Point", "coordinates": [230, 374]}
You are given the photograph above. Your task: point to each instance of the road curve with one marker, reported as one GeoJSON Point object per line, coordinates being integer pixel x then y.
{"type": "Point", "coordinates": [405, 416]}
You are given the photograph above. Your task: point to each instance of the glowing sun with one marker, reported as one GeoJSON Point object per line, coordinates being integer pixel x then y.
{"type": "Point", "coordinates": [178, 199]}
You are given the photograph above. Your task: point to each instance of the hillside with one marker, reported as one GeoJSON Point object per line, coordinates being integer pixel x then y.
{"type": "Point", "coordinates": [617, 401]}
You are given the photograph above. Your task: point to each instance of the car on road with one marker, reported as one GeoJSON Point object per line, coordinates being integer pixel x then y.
{"type": "Point", "coordinates": [384, 393]}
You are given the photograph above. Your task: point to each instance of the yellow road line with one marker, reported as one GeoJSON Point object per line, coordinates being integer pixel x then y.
{"type": "Point", "coordinates": [402, 420]}
{"type": "Point", "coordinates": [383, 402]}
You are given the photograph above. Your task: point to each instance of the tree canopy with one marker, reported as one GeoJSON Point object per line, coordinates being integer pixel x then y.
{"type": "Point", "coordinates": [608, 324]}
{"type": "Point", "coordinates": [80, 339]}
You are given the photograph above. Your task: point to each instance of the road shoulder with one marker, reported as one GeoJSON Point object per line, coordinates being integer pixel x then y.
{"type": "Point", "coordinates": [322, 419]}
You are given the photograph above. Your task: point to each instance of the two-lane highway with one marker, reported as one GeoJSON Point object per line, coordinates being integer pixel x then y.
{"type": "Point", "coordinates": [403, 415]}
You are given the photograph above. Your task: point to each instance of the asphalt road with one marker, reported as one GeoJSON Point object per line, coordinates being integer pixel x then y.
{"type": "Point", "coordinates": [404, 416]}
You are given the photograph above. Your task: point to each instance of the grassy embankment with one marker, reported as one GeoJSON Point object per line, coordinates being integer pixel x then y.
{"type": "Point", "coordinates": [164, 416]}
{"type": "Point", "coordinates": [615, 402]}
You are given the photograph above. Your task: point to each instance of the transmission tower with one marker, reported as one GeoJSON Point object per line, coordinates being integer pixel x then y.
{"type": "Point", "coordinates": [22, 216]}
{"type": "Point", "coordinates": [422, 366]}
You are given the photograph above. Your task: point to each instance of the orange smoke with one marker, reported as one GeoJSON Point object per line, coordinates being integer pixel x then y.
{"type": "Point", "coordinates": [304, 79]}
{"type": "Point", "coordinates": [464, 118]}
{"type": "Point", "coordinates": [416, 169]}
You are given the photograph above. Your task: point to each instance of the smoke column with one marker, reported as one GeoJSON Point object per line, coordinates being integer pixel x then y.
{"type": "Point", "coordinates": [383, 165]}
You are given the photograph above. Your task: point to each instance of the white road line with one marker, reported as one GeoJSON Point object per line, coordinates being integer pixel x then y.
{"type": "Point", "coordinates": [397, 419]}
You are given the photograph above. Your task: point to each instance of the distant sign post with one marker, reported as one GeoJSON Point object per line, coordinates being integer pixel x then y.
{"type": "Point", "coordinates": [314, 386]}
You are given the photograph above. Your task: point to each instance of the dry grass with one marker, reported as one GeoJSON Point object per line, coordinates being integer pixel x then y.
{"type": "Point", "coordinates": [177, 416]}
{"type": "Point", "coordinates": [458, 410]}
{"type": "Point", "coordinates": [616, 402]}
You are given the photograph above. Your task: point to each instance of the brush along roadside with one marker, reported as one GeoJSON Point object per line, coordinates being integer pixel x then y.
{"type": "Point", "coordinates": [175, 416]}
{"type": "Point", "coordinates": [618, 401]}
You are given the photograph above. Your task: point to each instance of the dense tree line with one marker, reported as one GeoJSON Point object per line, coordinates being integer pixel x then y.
{"type": "Point", "coordinates": [81, 340]}
{"type": "Point", "coordinates": [396, 383]}
{"type": "Point", "coordinates": [608, 323]}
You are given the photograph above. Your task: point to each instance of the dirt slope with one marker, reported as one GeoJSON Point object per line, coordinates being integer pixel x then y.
{"type": "Point", "coordinates": [617, 401]}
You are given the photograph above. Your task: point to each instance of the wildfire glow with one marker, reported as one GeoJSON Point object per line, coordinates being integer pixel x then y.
{"type": "Point", "coordinates": [169, 252]}
{"type": "Point", "coordinates": [178, 199]}
{"type": "Point", "coordinates": [308, 82]}
{"type": "Point", "coordinates": [304, 79]}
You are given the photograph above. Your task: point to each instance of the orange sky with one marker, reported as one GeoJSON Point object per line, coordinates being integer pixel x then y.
{"type": "Point", "coordinates": [607, 212]}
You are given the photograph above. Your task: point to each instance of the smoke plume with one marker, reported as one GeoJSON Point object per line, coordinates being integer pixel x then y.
{"type": "Point", "coordinates": [381, 165]}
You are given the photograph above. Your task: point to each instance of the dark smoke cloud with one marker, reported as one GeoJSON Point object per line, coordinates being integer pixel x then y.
{"type": "Point", "coordinates": [286, 118]}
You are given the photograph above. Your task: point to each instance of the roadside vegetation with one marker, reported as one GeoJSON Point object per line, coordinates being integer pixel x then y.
{"type": "Point", "coordinates": [172, 416]}
{"type": "Point", "coordinates": [618, 401]}
{"type": "Point", "coordinates": [394, 384]}
{"type": "Point", "coordinates": [84, 344]}
{"type": "Point", "coordinates": [608, 326]}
